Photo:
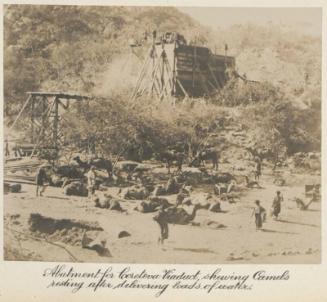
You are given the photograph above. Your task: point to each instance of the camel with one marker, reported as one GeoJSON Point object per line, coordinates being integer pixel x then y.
{"type": "Point", "coordinates": [171, 157]}
{"type": "Point", "coordinates": [209, 154]}
{"type": "Point", "coordinates": [251, 184]}
{"type": "Point", "coordinates": [108, 202]}
{"type": "Point", "coordinates": [301, 205]}
{"type": "Point", "coordinates": [221, 188]}
{"type": "Point", "coordinates": [260, 153]}
{"type": "Point", "coordinates": [224, 177]}
{"type": "Point", "coordinates": [68, 171]}
{"type": "Point", "coordinates": [152, 205]}
{"type": "Point", "coordinates": [99, 163]}
{"type": "Point", "coordinates": [76, 188]}
{"type": "Point", "coordinates": [177, 215]}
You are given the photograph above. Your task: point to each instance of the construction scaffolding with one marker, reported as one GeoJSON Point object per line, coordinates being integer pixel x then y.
{"type": "Point", "coordinates": [174, 69]}
{"type": "Point", "coordinates": [44, 124]}
{"type": "Point", "coordinates": [156, 77]}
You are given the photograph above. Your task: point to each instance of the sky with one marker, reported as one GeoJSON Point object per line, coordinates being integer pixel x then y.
{"type": "Point", "coordinates": [306, 20]}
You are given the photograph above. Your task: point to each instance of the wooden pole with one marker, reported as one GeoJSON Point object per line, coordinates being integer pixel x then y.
{"type": "Point", "coordinates": [32, 120]}
{"type": "Point", "coordinates": [154, 71]}
{"type": "Point", "coordinates": [193, 68]}
{"type": "Point", "coordinates": [168, 70]}
{"type": "Point", "coordinates": [45, 116]}
{"type": "Point", "coordinates": [141, 75]}
{"type": "Point", "coordinates": [55, 122]}
{"type": "Point", "coordinates": [162, 58]}
{"type": "Point", "coordinates": [153, 62]}
{"type": "Point", "coordinates": [181, 86]}
{"type": "Point", "coordinates": [139, 90]}
{"type": "Point", "coordinates": [173, 90]}
{"type": "Point", "coordinates": [214, 77]}
{"type": "Point", "coordinates": [20, 112]}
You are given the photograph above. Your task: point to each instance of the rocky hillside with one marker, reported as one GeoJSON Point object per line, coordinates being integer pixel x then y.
{"type": "Point", "coordinates": [82, 48]}
{"type": "Point", "coordinates": [279, 55]}
{"type": "Point", "coordinates": [72, 48]}
{"type": "Point", "coordinates": [85, 49]}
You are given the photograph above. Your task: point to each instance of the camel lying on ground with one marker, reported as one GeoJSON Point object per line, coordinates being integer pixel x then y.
{"type": "Point", "coordinates": [252, 183]}
{"type": "Point", "coordinates": [177, 215]}
{"type": "Point", "coordinates": [99, 163]}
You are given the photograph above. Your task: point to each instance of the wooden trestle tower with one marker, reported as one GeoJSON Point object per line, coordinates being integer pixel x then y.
{"type": "Point", "coordinates": [174, 69]}
{"type": "Point", "coordinates": [44, 124]}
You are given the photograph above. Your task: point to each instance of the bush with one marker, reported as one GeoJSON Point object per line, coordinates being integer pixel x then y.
{"type": "Point", "coordinates": [136, 130]}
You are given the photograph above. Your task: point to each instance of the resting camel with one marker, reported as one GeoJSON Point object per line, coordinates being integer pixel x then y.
{"type": "Point", "coordinates": [251, 184]}
{"type": "Point", "coordinates": [68, 171]}
{"type": "Point", "coordinates": [152, 205]}
{"type": "Point", "coordinates": [99, 163]}
{"type": "Point", "coordinates": [301, 205]}
{"type": "Point", "coordinates": [177, 215]}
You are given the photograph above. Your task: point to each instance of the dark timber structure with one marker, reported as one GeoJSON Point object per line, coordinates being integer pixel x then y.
{"type": "Point", "coordinates": [173, 68]}
{"type": "Point", "coordinates": [44, 109]}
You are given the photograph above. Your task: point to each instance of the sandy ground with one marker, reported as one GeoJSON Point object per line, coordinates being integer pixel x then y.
{"type": "Point", "coordinates": [294, 238]}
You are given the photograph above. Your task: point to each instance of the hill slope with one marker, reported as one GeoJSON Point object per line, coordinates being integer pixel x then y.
{"type": "Point", "coordinates": [67, 47]}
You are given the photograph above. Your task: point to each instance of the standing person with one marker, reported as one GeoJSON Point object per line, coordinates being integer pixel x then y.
{"type": "Point", "coordinates": [259, 214]}
{"type": "Point", "coordinates": [257, 171]}
{"type": "Point", "coordinates": [91, 176]}
{"type": "Point", "coordinates": [276, 206]}
{"type": "Point", "coordinates": [316, 193]}
{"type": "Point", "coordinates": [41, 179]}
{"type": "Point", "coordinates": [161, 219]}
{"type": "Point", "coordinates": [172, 186]}
{"type": "Point", "coordinates": [7, 152]}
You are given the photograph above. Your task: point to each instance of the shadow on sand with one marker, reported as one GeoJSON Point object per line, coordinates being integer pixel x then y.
{"type": "Point", "coordinates": [56, 197]}
{"type": "Point", "coordinates": [273, 231]}
{"type": "Point", "coordinates": [312, 210]}
{"type": "Point", "coordinates": [299, 223]}
{"type": "Point", "coordinates": [203, 250]}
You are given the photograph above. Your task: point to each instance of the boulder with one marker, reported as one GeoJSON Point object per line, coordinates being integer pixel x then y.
{"type": "Point", "coordinates": [98, 244]}
{"type": "Point", "coordinates": [15, 188]}
{"type": "Point", "coordinates": [12, 188]}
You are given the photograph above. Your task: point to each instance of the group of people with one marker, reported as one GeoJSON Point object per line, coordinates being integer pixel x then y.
{"type": "Point", "coordinates": [43, 180]}
{"type": "Point", "coordinates": [260, 213]}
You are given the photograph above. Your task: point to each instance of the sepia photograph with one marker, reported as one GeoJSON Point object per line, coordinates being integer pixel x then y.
{"type": "Point", "coordinates": [162, 135]}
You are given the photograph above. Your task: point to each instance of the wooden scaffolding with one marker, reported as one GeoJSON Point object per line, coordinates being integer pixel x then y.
{"type": "Point", "coordinates": [44, 124]}
{"type": "Point", "coordinates": [174, 69]}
